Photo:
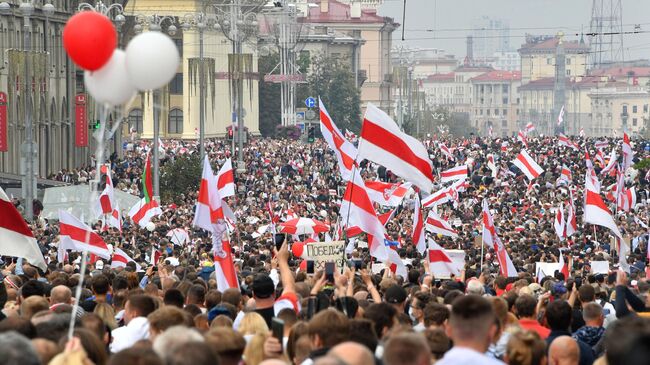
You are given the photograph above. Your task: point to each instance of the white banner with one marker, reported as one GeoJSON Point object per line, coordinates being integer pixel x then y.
{"type": "Point", "coordinates": [322, 252]}
{"type": "Point", "coordinates": [599, 267]}
{"type": "Point", "coordinates": [547, 268]}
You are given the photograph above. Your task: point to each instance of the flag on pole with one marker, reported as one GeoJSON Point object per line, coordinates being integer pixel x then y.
{"type": "Point", "coordinates": [142, 212]}
{"type": "Point", "coordinates": [564, 268]}
{"type": "Point", "coordinates": [226, 180]}
{"type": "Point", "coordinates": [527, 165]}
{"type": "Point", "coordinates": [602, 144]}
{"type": "Point", "coordinates": [435, 224]}
{"type": "Point", "coordinates": [560, 117]}
{"type": "Point", "coordinates": [16, 238]}
{"type": "Point", "coordinates": [386, 193]}
{"type": "Point", "coordinates": [208, 207]}
{"type": "Point", "coordinates": [224, 268]}
{"type": "Point", "coordinates": [77, 236]}
{"type": "Point", "coordinates": [491, 239]}
{"type": "Point", "coordinates": [571, 222]}
{"type": "Point", "coordinates": [596, 212]}
{"type": "Point", "coordinates": [582, 132]}
{"type": "Point", "coordinates": [106, 202]}
{"type": "Point", "coordinates": [445, 194]}
{"type": "Point", "coordinates": [521, 137]}
{"type": "Point", "coordinates": [600, 158]}
{"type": "Point", "coordinates": [120, 259]}
{"type": "Point", "coordinates": [566, 174]}
{"type": "Point", "coordinates": [628, 154]}
{"type": "Point", "coordinates": [454, 173]}
{"type": "Point", "coordinates": [566, 141]}
{"type": "Point", "coordinates": [147, 181]}
{"type": "Point", "coordinates": [529, 127]}
{"type": "Point", "coordinates": [559, 223]}
{"type": "Point", "coordinates": [345, 151]}
{"type": "Point", "coordinates": [114, 219]}
{"type": "Point", "coordinates": [446, 152]}
{"type": "Point", "coordinates": [384, 143]}
{"type": "Point", "coordinates": [419, 239]}
{"type": "Point", "coordinates": [437, 253]}
{"type": "Point", "coordinates": [613, 158]}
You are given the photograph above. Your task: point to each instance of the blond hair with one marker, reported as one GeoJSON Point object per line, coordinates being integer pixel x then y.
{"type": "Point", "coordinates": [526, 348]}
{"type": "Point", "coordinates": [253, 323]}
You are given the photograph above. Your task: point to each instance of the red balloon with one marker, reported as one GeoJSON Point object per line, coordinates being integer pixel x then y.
{"type": "Point", "coordinates": [89, 38]}
{"type": "Point", "coordinates": [297, 248]}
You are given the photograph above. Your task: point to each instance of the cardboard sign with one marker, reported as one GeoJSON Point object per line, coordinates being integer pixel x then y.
{"type": "Point", "coordinates": [322, 252]}
{"type": "Point", "coordinates": [599, 267]}
{"type": "Point", "coordinates": [443, 270]}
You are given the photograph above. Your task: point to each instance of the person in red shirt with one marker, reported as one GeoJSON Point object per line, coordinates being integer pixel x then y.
{"type": "Point", "coordinates": [526, 310]}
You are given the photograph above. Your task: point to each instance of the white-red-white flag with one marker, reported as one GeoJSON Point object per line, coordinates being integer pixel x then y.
{"type": "Point", "coordinates": [521, 137]}
{"type": "Point", "coordinates": [491, 239]}
{"type": "Point", "coordinates": [446, 152]}
{"type": "Point", "coordinates": [454, 173]}
{"type": "Point", "coordinates": [529, 127]}
{"type": "Point", "coordinates": [435, 224]}
{"type": "Point", "coordinates": [445, 194]}
{"type": "Point", "coordinates": [114, 219]}
{"type": "Point", "coordinates": [386, 193]}
{"type": "Point", "coordinates": [600, 158]}
{"type": "Point", "coordinates": [596, 212]}
{"type": "Point", "coordinates": [16, 238]}
{"type": "Point", "coordinates": [582, 132]}
{"type": "Point", "coordinates": [560, 117]}
{"type": "Point", "coordinates": [566, 174]}
{"type": "Point", "coordinates": [224, 268]}
{"type": "Point", "coordinates": [592, 178]}
{"type": "Point", "coordinates": [613, 158]}
{"type": "Point", "coordinates": [490, 132]}
{"type": "Point", "coordinates": [350, 136]}
{"type": "Point", "coordinates": [357, 210]}
{"type": "Point", "coordinates": [419, 237]}
{"type": "Point", "coordinates": [208, 207]}
{"type": "Point", "coordinates": [437, 253]}
{"type": "Point", "coordinates": [571, 221]}
{"type": "Point", "coordinates": [559, 223]}
{"type": "Point", "coordinates": [120, 259]}
{"type": "Point", "coordinates": [106, 202]}
{"type": "Point", "coordinates": [627, 199]}
{"type": "Point", "coordinates": [566, 141]}
{"type": "Point", "coordinates": [602, 144]}
{"type": "Point", "coordinates": [345, 151]}
{"type": "Point", "coordinates": [628, 153]}
{"type": "Point", "coordinates": [384, 143]}
{"type": "Point", "coordinates": [226, 180]}
{"type": "Point", "coordinates": [527, 165]}
{"type": "Point", "coordinates": [77, 236]}
{"type": "Point", "coordinates": [142, 212]}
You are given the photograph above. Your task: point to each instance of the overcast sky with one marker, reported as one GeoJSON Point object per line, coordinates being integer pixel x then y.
{"type": "Point", "coordinates": [452, 19]}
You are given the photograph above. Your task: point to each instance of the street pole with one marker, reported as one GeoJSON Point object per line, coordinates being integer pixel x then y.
{"type": "Point", "coordinates": [201, 96]}
{"type": "Point", "coordinates": [156, 136]}
{"type": "Point", "coordinates": [27, 9]}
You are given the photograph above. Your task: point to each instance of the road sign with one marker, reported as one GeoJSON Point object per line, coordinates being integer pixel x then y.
{"type": "Point", "coordinates": [310, 115]}
{"type": "Point", "coordinates": [300, 115]}
{"type": "Point", "coordinates": [310, 102]}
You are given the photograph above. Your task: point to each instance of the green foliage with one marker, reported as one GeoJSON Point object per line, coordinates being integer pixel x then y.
{"type": "Point", "coordinates": [333, 80]}
{"type": "Point", "coordinates": [269, 96]}
{"type": "Point", "coordinates": [643, 164]}
{"type": "Point", "coordinates": [179, 177]}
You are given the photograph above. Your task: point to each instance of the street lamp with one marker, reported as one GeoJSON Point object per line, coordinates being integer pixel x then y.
{"type": "Point", "coordinates": [237, 20]}
{"type": "Point", "coordinates": [200, 21]}
{"type": "Point", "coordinates": [115, 12]}
{"type": "Point", "coordinates": [27, 149]}
{"type": "Point", "coordinates": [155, 23]}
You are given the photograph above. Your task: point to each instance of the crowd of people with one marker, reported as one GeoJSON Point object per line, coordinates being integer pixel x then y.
{"type": "Point", "coordinates": [171, 311]}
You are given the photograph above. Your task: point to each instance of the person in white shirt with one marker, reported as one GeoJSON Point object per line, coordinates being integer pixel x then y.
{"type": "Point", "coordinates": [472, 327]}
{"type": "Point", "coordinates": [136, 328]}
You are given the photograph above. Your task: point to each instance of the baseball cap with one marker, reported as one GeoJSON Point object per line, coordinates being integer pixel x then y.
{"type": "Point", "coordinates": [263, 286]}
{"type": "Point", "coordinates": [395, 294]}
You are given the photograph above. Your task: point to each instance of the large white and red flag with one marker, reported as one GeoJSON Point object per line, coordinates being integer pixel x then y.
{"type": "Point", "coordinates": [446, 151]}
{"type": "Point", "coordinates": [445, 194]}
{"type": "Point", "coordinates": [566, 141]}
{"type": "Point", "coordinates": [226, 180]}
{"type": "Point", "coordinates": [435, 224]}
{"type": "Point", "coordinates": [383, 142]}
{"type": "Point", "coordinates": [527, 165]}
{"type": "Point", "coordinates": [611, 164]}
{"type": "Point", "coordinates": [437, 253]}
{"type": "Point", "coordinates": [387, 193]}
{"type": "Point", "coordinates": [106, 202]}
{"type": "Point", "coordinates": [454, 173]}
{"type": "Point", "coordinates": [114, 219]}
{"type": "Point", "coordinates": [571, 222]}
{"type": "Point", "coordinates": [529, 127]}
{"type": "Point", "coordinates": [559, 223]}
{"type": "Point", "coordinates": [77, 236]}
{"type": "Point", "coordinates": [224, 267]}
{"type": "Point", "coordinates": [16, 238]}
{"type": "Point", "coordinates": [120, 259]}
{"type": "Point", "coordinates": [419, 237]}
{"type": "Point", "coordinates": [628, 154]}
{"type": "Point", "coordinates": [357, 210]}
{"type": "Point", "coordinates": [596, 212]}
{"type": "Point", "coordinates": [344, 150]}
{"type": "Point", "coordinates": [565, 175]}
{"type": "Point", "coordinates": [208, 207]}
{"type": "Point", "coordinates": [560, 117]}
{"type": "Point", "coordinates": [491, 239]}
{"type": "Point", "coordinates": [142, 212]}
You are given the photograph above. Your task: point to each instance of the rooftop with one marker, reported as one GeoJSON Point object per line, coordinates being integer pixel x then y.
{"type": "Point", "coordinates": [332, 11]}
{"type": "Point", "coordinates": [448, 77]}
{"type": "Point", "coordinates": [622, 72]}
{"type": "Point", "coordinates": [498, 75]}
{"type": "Point", "coordinates": [549, 44]}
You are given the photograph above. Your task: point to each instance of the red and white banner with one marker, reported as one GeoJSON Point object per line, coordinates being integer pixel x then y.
{"type": "Point", "coordinates": [80, 121]}
{"type": "Point", "coordinates": [418, 238]}
{"type": "Point", "coordinates": [120, 259]}
{"type": "Point", "coordinates": [384, 143]}
{"type": "Point", "coordinates": [445, 194]}
{"type": "Point", "coordinates": [446, 152]}
{"type": "Point", "coordinates": [628, 154]}
{"type": "Point", "coordinates": [529, 127]}
{"type": "Point", "coordinates": [435, 224]}
{"type": "Point", "coordinates": [4, 147]}
{"type": "Point", "coordinates": [224, 268]}
{"type": "Point", "coordinates": [560, 117]}
{"type": "Point", "coordinates": [565, 175]}
{"type": "Point", "coordinates": [386, 193]}
{"type": "Point", "coordinates": [345, 151]}
{"type": "Point", "coordinates": [453, 174]}
{"type": "Point", "coordinates": [142, 212]}
{"type": "Point", "coordinates": [559, 223]}
{"type": "Point", "coordinates": [602, 144]}
{"type": "Point", "coordinates": [208, 207]}
{"type": "Point", "coordinates": [566, 141]}
{"type": "Point", "coordinates": [357, 210]}
{"type": "Point", "coordinates": [613, 158]}
{"type": "Point", "coordinates": [77, 236]}
{"type": "Point", "coordinates": [491, 239]}
{"type": "Point", "coordinates": [527, 165]}
{"type": "Point", "coordinates": [596, 212]}
{"type": "Point", "coordinates": [521, 137]}
{"type": "Point", "coordinates": [106, 202]}
{"type": "Point", "coordinates": [226, 180]}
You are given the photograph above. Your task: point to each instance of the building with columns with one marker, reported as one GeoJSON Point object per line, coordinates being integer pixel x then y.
{"type": "Point", "coordinates": [179, 100]}
{"type": "Point", "coordinates": [496, 102]}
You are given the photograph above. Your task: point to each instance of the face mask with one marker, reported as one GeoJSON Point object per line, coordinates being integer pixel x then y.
{"type": "Point", "coordinates": [411, 314]}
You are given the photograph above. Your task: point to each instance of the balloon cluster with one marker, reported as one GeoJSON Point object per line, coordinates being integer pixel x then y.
{"type": "Point", "coordinates": [113, 76]}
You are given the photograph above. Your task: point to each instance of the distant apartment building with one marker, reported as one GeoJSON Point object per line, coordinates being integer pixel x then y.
{"type": "Point", "coordinates": [619, 107]}
{"type": "Point", "coordinates": [505, 60]}
{"type": "Point", "coordinates": [452, 90]}
{"type": "Point", "coordinates": [490, 35]}
{"type": "Point", "coordinates": [495, 102]}
{"type": "Point", "coordinates": [538, 58]}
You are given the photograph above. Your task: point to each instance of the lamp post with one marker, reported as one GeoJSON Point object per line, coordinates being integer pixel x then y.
{"type": "Point", "coordinates": [155, 23]}
{"type": "Point", "coordinates": [27, 149]}
{"type": "Point", "coordinates": [200, 21]}
{"type": "Point", "coordinates": [115, 12]}
{"type": "Point", "coordinates": [237, 20]}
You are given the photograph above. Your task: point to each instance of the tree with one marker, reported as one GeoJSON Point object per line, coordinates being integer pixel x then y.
{"type": "Point", "coordinates": [269, 96]}
{"type": "Point", "coordinates": [181, 175]}
{"type": "Point", "coordinates": [332, 80]}
{"type": "Point", "coordinates": [453, 123]}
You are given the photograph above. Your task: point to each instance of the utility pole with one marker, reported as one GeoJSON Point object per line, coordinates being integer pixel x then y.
{"type": "Point", "coordinates": [559, 92]}
{"type": "Point", "coordinates": [27, 9]}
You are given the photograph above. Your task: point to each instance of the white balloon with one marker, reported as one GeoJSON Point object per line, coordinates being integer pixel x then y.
{"type": "Point", "coordinates": [111, 84]}
{"type": "Point", "coordinates": [151, 60]}
{"type": "Point", "coordinates": [151, 226]}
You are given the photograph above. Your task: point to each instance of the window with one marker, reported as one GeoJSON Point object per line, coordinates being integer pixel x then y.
{"type": "Point", "coordinates": [505, 101]}
{"type": "Point", "coordinates": [633, 108]}
{"type": "Point", "coordinates": [624, 109]}
{"type": "Point", "coordinates": [568, 61]}
{"type": "Point", "coordinates": [568, 72]}
{"type": "Point", "coordinates": [645, 108]}
{"type": "Point", "coordinates": [549, 61]}
{"type": "Point", "coordinates": [481, 112]}
{"type": "Point", "coordinates": [504, 124]}
{"type": "Point", "coordinates": [504, 112]}
{"type": "Point", "coordinates": [176, 85]}
{"type": "Point", "coordinates": [175, 122]}
{"type": "Point", "coordinates": [488, 111]}
{"type": "Point", "coordinates": [505, 89]}
{"type": "Point", "coordinates": [496, 111]}
{"type": "Point", "coordinates": [135, 120]}
{"type": "Point", "coordinates": [634, 121]}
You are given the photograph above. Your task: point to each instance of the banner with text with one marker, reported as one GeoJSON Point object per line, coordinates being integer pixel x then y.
{"type": "Point", "coordinates": [322, 252]}
{"type": "Point", "coordinates": [81, 121]}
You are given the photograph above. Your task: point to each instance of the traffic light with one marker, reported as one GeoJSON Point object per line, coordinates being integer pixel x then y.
{"type": "Point", "coordinates": [94, 125]}
{"type": "Point", "coordinates": [311, 134]}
